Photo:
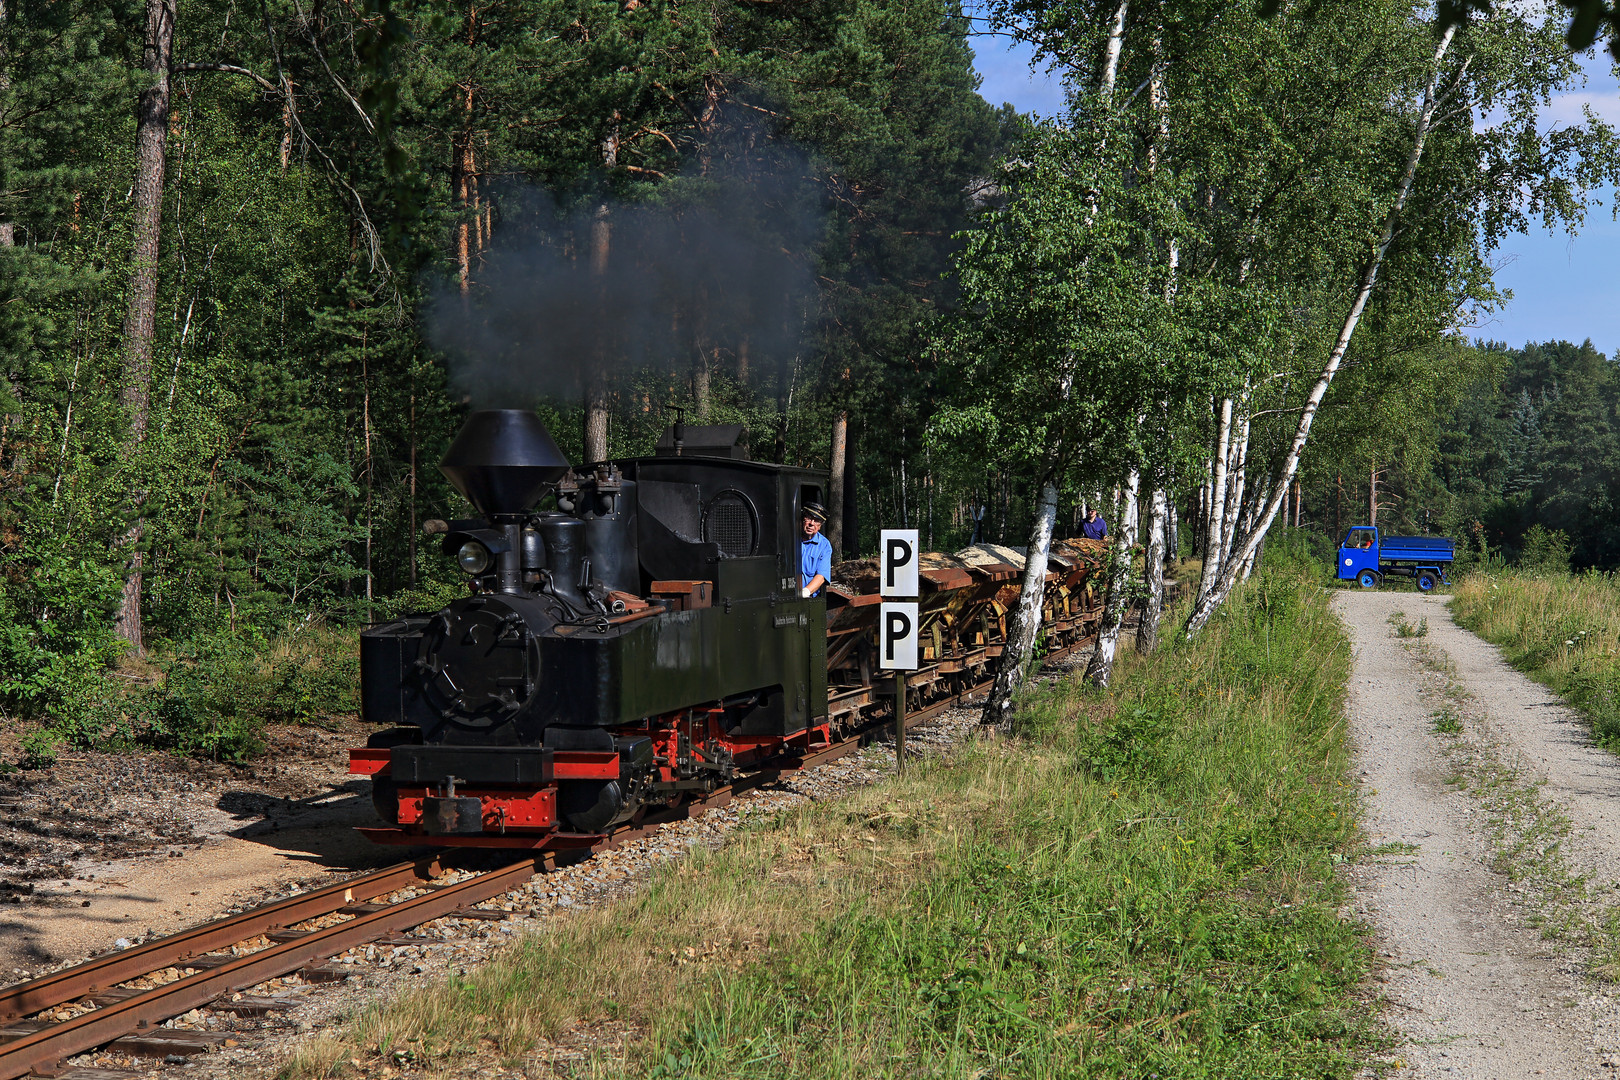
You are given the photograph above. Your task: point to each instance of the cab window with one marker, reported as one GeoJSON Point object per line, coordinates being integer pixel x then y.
{"type": "Point", "coordinates": [1359, 538]}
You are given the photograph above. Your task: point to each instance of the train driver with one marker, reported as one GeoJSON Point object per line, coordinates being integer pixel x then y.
{"type": "Point", "coordinates": [815, 553]}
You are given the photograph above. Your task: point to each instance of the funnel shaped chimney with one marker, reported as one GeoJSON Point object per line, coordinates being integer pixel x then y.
{"type": "Point", "coordinates": [503, 460]}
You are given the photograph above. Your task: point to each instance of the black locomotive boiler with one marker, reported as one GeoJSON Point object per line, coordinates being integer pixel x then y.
{"type": "Point", "coordinates": [641, 642]}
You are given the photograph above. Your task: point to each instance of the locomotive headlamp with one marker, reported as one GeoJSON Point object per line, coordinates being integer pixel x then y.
{"type": "Point", "coordinates": [473, 557]}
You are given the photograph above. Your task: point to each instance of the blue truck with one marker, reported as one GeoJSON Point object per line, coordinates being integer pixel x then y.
{"type": "Point", "coordinates": [1367, 558]}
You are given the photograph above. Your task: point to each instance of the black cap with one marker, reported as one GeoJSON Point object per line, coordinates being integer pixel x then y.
{"type": "Point", "coordinates": [815, 510]}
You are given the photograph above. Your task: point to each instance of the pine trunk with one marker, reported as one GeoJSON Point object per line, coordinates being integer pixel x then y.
{"type": "Point", "coordinates": [140, 320]}
{"type": "Point", "coordinates": [851, 523]}
{"type": "Point", "coordinates": [835, 484]}
{"type": "Point", "coordinates": [8, 229]}
{"type": "Point", "coordinates": [1372, 493]}
{"type": "Point", "coordinates": [597, 399]}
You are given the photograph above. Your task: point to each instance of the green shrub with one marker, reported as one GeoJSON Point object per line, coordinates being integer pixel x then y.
{"type": "Point", "coordinates": [56, 639]}
{"type": "Point", "coordinates": [1545, 551]}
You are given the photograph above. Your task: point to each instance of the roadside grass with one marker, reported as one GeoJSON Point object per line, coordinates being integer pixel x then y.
{"type": "Point", "coordinates": [1143, 883]}
{"type": "Point", "coordinates": [1561, 629]}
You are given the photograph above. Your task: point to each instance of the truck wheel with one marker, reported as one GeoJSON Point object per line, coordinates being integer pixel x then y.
{"type": "Point", "coordinates": [1426, 581]}
{"type": "Point", "coordinates": [1366, 579]}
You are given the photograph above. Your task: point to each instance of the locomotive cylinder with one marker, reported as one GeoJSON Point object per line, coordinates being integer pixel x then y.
{"type": "Point", "coordinates": [534, 550]}
{"type": "Point", "coordinates": [509, 563]}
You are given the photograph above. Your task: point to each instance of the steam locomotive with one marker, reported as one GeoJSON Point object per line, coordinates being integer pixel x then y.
{"type": "Point", "coordinates": [641, 643]}
{"type": "Point", "coordinates": [643, 640]}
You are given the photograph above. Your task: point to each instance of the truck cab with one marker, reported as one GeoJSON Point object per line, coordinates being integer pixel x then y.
{"type": "Point", "coordinates": [1358, 551]}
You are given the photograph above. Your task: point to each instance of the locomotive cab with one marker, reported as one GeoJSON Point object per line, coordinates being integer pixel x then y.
{"type": "Point", "coordinates": [637, 643]}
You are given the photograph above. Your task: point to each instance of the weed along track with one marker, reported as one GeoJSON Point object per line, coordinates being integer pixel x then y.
{"type": "Point", "coordinates": [122, 1000]}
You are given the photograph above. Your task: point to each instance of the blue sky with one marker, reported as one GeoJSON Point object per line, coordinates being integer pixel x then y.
{"type": "Point", "coordinates": [1563, 287]}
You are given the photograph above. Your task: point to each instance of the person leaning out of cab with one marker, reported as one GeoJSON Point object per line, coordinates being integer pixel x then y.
{"type": "Point", "coordinates": [815, 553]}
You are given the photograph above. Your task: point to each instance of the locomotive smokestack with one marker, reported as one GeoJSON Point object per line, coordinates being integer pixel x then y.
{"type": "Point", "coordinates": [503, 460]}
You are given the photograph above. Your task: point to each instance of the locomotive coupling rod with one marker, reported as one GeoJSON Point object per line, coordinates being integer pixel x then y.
{"type": "Point", "coordinates": [43, 1049]}
{"type": "Point", "coordinates": [73, 983]}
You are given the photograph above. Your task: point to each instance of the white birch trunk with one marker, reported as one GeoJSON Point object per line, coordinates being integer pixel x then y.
{"type": "Point", "coordinates": [1100, 668]}
{"type": "Point", "coordinates": [1147, 631]}
{"type": "Point", "coordinates": [1130, 514]}
{"type": "Point", "coordinates": [1216, 503]}
{"type": "Point", "coordinates": [1172, 535]}
{"type": "Point", "coordinates": [1209, 601]}
{"type": "Point", "coordinates": [1026, 621]}
{"type": "Point", "coordinates": [1235, 477]}
{"type": "Point", "coordinates": [1111, 52]}
{"type": "Point", "coordinates": [1201, 511]}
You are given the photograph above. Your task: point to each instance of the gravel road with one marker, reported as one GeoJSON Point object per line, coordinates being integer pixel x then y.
{"type": "Point", "coordinates": [1476, 990]}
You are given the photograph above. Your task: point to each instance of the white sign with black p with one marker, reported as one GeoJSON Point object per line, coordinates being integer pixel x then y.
{"type": "Point", "coordinates": [897, 636]}
{"type": "Point", "coordinates": [898, 552]}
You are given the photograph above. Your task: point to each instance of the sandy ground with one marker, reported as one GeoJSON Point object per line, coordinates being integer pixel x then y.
{"type": "Point", "coordinates": [104, 848]}
{"type": "Point", "coordinates": [1474, 990]}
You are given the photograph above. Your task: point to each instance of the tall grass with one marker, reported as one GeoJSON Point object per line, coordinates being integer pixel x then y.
{"type": "Point", "coordinates": [1561, 629]}
{"type": "Point", "coordinates": [1143, 884]}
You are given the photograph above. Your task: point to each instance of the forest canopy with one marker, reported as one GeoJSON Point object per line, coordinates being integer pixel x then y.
{"type": "Point", "coordinates": [256, 262]}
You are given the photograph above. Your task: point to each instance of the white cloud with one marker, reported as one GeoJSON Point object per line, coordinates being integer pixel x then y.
{"type": "Point", "coordinates": [1567, 110]}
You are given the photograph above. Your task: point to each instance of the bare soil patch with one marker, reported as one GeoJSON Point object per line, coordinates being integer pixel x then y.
{"type": "Point", "coordinates": [101, 847]}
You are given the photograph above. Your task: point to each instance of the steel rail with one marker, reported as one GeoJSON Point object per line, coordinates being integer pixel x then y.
{"type": "Point", "coordinates": [93, 976]}
{"type": "Point", "coordinates": [42, 1050]}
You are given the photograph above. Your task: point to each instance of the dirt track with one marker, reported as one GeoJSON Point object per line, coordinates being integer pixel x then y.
{"type": "Point", "coordinates": [1489, 811]}
{"type": "Point", "coordinates": [106, 847]}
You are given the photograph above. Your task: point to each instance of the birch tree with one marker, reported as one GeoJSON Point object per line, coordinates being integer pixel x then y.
{"type": "Point", "coordinates": [1050, 359]}
{"type": "Point", "coordinates": [1491, 74]}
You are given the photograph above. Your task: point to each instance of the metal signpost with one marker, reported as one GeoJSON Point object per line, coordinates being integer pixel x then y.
{"type": "Point", "coordinates": [898, 623]}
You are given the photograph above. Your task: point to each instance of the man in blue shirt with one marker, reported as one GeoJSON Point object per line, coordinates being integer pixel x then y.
{"type": "Point", "coordinates": [815, 553]}
{"type": "Point", "coordinates": [1094, 527]}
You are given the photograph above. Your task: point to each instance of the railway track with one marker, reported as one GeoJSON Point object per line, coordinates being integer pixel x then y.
{"type": "Point", "coordinates": [219, 960]}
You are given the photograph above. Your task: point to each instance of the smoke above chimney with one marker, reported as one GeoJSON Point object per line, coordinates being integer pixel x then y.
{"type": "Point", "coordinates": [714, 269]}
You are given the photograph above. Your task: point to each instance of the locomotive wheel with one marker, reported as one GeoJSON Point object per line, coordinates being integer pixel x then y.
{"type": "Point", "coordinates": [385, 798]}
{"type": "Point", "coordinates": [1426, 581]}
{"type": "Point", "coordinates": [1367, 579]}
{"type": "Point", "coordinates": [590, 806]}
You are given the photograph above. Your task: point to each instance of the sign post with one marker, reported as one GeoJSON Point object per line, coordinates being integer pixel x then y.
{"type": "Point", "coordinates": [898, 623]}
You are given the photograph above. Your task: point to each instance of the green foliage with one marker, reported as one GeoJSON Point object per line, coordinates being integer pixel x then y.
{"type": "Point", "coordinates": [1545, 551]}
{"type": "Point", "coordinates": [1535, 443]}
{"type": "Point", "coordinates": [56, 637]}
{"type": "Point", "coordinates": [218, 691]}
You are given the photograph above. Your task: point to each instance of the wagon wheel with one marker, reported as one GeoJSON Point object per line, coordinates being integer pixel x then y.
{"type": "Point", "coordinates": [1426, 581]}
